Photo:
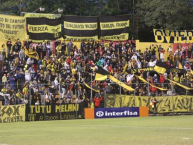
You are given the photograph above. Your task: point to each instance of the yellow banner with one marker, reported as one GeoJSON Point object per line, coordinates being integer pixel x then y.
{"type": "Point", "coordinates": [44, 28]}
{"type": "Point", "coordinates": [99, 77]}
{"type": "Point", "coordinates": [80, 26]}
{"type": "Point", "coordinates": [79, 39]}
{"type": "Point", "coordinates": [12, 113]}
{"type": "Point", "coordinates": [185, 87]}
{"type": "Point", "coordinates": [121, 37]}
{"type": "Point", "coordinates": [165, 104]}
{"type": "Point", "coordinates": [143, 80]}
{"type": "Point", "coordinates": [12, 27]}
{"type": "Point", "coordinates": [40, 15]}
{"type": "Point", "coordinates": [114, 25]}
{"type": "Point", "coordinates": [120, 83]}
{"type": "Point", "coordinates": [160, 70]}
{"type": "Point", "coordinates": [173, 36]}
{"type": "Point", "coordinates": [91, 88]}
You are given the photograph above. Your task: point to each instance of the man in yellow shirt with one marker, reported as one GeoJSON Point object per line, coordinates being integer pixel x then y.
{"type": "Point", "coordinates": [19, 97]}
{"type": "Point", "coordinates": [25, 91]}
{"type": "Point", "coordinates": [5, 95]}
{"type": "Point", "coordinates": [176, 78]}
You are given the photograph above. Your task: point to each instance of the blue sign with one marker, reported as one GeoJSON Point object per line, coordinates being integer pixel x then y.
{"type": "Point", "coordinates": [116, 112]}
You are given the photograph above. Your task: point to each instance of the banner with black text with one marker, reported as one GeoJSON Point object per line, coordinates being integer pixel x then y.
{"type": "Point", "coordinates": [80, 28]}
{"type": "Point", "coordinates": [40, 29]}
{"type": "Point", "coordinates": [114, 28]}
{"type": "Point", "coordinates": [13, 27]}
{"type": "Point", "coordinates": [165, 104]}
{"type": "Point", "coordinates": [173, 36]}
{"type": "Point", "coordinates": [55, 112]}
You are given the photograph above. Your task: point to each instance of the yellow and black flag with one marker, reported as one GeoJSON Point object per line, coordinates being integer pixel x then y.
{"type": "Point", "coordinates": [144, 81]}
{"type": "Point", "coordinates": [114, 28]}
{"type": "Point", "coordinates": [39, 29]}
{"type": "Point", "coordinates": [159, 70]}
{"type": "Point", "coordinates": [180, 85]}
{"type": "Point", "coordinates": [101, 74]}
{"type": "Point", "coordinates": [32, 54]}
{"type": "Point", "coordinates": [92, 87]}
{"type": "Point", "coordinates": [115, 80]}
{"type": "Point", "coordinates": [80, 28]}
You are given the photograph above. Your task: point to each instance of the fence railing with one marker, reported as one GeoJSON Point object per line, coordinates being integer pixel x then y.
{"type": "Point", "coordinates": [35, 102]}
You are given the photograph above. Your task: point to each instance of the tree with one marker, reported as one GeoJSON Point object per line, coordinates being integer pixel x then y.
{"type": "Point", "coordinates": [15, 7]}
{"type": "Point", "coordinates": [170, 14]}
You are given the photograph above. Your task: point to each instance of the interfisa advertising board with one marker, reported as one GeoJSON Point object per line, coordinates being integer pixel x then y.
{"type": "Point", "coordinates": [116, 112]}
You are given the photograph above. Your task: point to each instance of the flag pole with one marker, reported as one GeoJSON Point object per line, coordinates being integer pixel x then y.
{"type": "Point", "coordinates": [91, 98]}
{"type": "Point", "coordinates": [172, 86]}
{"type": "Point", "coordinates": [148, 90]}
{"type": "Point", "coordinates": [186, 96]}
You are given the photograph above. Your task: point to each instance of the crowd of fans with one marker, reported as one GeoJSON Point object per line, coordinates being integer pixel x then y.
{"type": "Point", "coordinates": [63, 69]}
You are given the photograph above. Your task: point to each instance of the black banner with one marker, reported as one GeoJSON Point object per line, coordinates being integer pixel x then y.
{"type": "Point", "coordinates": [55, 112]}
{"type": "Point", "coordinates": [80, 28]}
{"type": "Point", "coordinates": [114, 27]}
{"type": "Point", "coordinates": [40, 29]}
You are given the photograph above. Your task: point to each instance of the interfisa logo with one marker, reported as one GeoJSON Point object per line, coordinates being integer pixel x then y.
{"type": "Point", "coordinates": [116, 112]}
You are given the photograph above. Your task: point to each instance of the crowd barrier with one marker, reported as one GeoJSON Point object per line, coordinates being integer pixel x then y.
{"type": "Point", "coordinates": [21, 113]}
{"type": "Point", "coordinates": [165, 104]}
{"type": "Point", "coordinates": [116, 106]}
{"type": "Point", "coordinates": [12, 113]}
{"type": "Point", "coordinates": [114, 98]}
{"type": "Point", "coordinates": [55, 112]}
{"type": "Point", "coordinates": [96, 113]}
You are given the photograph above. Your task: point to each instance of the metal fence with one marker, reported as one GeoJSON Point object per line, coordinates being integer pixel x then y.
{"type": "Point", "coordinates": [49, 102]}
{"type": "Point", "coordinates": [172, 101]}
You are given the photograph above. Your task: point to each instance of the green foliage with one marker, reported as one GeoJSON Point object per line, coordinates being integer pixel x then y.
{"type": "Point", "coordinates": [71, 7]}
{"type": "Point", "coordinates": [15, 7]}
{"type": "Point", "coordinates": [171, 14]}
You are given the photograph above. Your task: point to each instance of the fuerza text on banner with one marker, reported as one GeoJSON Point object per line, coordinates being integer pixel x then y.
{"type": "Point", "coordinates": [12, 27]}
{"type": "Point", "coordinates": [44, 28]}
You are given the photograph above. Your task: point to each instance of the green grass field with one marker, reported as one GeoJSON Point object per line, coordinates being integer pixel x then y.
{"type": "Point", "coordinates": [170, 130]}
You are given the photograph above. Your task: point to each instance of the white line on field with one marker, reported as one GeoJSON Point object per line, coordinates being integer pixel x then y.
{"type": "Point", "coordinates": [185, 138]}
{"type": "Point", "coordinates": [137, 127]}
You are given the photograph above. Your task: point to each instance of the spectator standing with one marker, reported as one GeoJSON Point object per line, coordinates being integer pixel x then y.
{"type": "Point", "coordinates": [97, 100]}
{"type": "Point", "coordinates": [9, 45]}
{"type": "Point", "coordinates": [69, 47]}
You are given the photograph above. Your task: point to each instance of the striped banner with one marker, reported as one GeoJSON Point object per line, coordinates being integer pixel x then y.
{"type": "Point", "coordinates": [80, 28]}
{"type": "Point", "coordinates": [40, 29]}
{"type": "Point", "coordinates": [42, 15]}
{"type": "Point", "coordinates": [114, 28]}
